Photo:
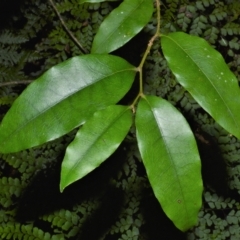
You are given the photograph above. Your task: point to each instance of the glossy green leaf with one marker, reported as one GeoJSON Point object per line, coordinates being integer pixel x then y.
{"type": "Point", "coordinates": [63, 98]}
{"type": "Point", "coordinates": [122, 24]}
{"type": "Point", "coordinates": [170, 156]}
{"type": "Point", "coordinates": [99, 137]}
{"type": "Point", "coordinates": [203, 72]}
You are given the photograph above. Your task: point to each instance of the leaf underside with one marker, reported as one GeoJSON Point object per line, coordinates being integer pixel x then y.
{"type": "Point", "coordinates": [171, 159]}
{"type": "Point", "coordinates": [202, 71]}
{"type": "Point", "coordinates": [63, 98]}
{"type": "Point", "coordinates": [99, 137]}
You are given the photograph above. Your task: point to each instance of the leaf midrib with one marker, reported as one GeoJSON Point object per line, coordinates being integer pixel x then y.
{"type": "Point", "coordinates": [166, 147]}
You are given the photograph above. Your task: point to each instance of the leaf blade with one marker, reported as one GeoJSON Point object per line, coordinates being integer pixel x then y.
{"type": "Point", "coordinates": [95, 141]}
{"type": "Point", "coordinates": [132, 16]}
{"type": "Point", "coordinates": [63, 98]}
{"type": "Point", "coordinates": [215, 87]}
{"type": "Point", "coordinates": [175, 176]}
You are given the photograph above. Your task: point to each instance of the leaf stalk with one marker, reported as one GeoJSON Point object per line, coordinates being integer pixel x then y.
{"type": "Point", "coordinates": [149, 46]}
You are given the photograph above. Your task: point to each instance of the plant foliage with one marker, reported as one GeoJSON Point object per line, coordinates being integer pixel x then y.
{"type": "Point", "coordinates": [156, 134]}
{"type": "Point", "coordinates": [121, 25]}
{"type": "Point", "coordinates": [204, 26]}
{"type": "Point", "coordinates": [102, 77]}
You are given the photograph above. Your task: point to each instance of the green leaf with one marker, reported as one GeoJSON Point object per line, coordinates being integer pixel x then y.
{"type": "Point", "coordinates": [99, 137]}
{"type": "Point", "coordinates": [64, 98]}
{"type": "Point", "coordinates": [122, 24]}
{"type": "Point", "coordinates": [171, 159]}
{"type": "Point", "coordinates": [203, 72]}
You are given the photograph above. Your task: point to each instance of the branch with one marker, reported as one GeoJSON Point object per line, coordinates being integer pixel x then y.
{"type": "Point", "coordinates": [15, 83]}
{"type": "Point", "coordinates": [66, 28]}
{"type": "Point", "coordinates": [140, 67]}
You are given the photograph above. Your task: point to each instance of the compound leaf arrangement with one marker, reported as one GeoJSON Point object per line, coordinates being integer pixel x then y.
{"type": "Point", "coordinates": [84, 91]}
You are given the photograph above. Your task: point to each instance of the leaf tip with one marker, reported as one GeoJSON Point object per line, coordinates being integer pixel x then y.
{"type": "Point", "coordinates": [62, 186]}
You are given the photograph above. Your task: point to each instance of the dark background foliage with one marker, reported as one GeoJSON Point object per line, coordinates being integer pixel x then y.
{"type": "Point", "coordinates": [115, 201]}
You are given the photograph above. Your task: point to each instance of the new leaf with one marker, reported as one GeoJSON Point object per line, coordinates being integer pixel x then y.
{"type": "Point", "coordinates": [204, 73]}
{"type": "Point", "coordinates": [122, 24]}
{"type": "Point", "coordinates": [171, 159]}
{"type": "Point", "coordinates": [99, 137]}
{"type": "Point", "coordinates": [63, 98]}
